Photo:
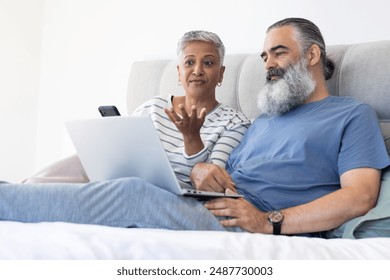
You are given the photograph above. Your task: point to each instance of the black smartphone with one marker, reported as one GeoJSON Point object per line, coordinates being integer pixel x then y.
{"type": "Point", "coordinates": [108, 111]}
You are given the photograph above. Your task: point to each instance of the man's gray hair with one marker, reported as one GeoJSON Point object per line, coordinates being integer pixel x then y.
{"type": "Point", "coordinates": [204, 36]}
{"type": "Point", "coordinates": [308, 34]}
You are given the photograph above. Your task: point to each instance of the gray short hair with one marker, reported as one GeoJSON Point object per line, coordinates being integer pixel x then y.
{"type": "Point", "coordinates": [308, 34]}
{"type": "Point", "coordinates": [204, 36]}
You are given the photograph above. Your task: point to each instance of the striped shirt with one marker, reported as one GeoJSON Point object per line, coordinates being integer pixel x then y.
{"type": "Point", "coordinates": [221, 132]}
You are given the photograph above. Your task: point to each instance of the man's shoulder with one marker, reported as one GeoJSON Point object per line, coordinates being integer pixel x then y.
{"type": "Point", "coordinates": [343, 100]}
{"type": "Point", "coordinates": [347, 101]}
{"type": "Point", "coordinates": [349, 104]}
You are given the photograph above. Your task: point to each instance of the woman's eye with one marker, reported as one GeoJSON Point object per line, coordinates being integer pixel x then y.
{"type": "Point", "coordinates": [189, 62]}
{"type": "Point", "coordinates": [208, 63]}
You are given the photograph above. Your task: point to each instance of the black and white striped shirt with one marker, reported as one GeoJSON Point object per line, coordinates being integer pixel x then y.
{"type": "Point", "coordinates": [221, 132]}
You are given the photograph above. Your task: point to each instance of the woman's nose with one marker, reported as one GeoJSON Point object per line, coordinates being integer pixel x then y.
{"type": "Point", "coordinates": [198, 69]}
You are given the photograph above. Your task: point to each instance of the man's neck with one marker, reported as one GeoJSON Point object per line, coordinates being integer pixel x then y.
{"type": "Point", "coordinates": [320, 92]}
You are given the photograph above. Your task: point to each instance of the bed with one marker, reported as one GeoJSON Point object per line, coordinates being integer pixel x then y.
{"type": "Point", "coordinates": [66, 241]}
{"type": "Point", "coordinates": [361, 71]}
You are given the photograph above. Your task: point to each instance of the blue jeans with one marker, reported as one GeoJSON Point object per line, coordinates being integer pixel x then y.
{"type": "Point", "coordinates": [127, 202]}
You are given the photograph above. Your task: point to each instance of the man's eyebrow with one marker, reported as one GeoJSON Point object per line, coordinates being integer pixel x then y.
{"type": "Point", "coordinates": [278, 47]}
{"type": "Point", "coordinates": [273, 49]}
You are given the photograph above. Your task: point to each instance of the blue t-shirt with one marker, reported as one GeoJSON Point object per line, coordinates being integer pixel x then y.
{"type": "Point", "coordinates": [297, 157]}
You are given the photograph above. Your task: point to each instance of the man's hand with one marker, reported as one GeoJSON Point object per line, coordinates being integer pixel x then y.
{"type": "Point", "coordinates": [211, 177]}
{"type": "Point", "coordinates": [240, 213]}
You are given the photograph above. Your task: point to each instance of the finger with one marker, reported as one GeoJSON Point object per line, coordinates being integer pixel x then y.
{"type": "Point", "coordinates": [209, 177]}
{"type": "Point", "coordinates": [169, 112]}
{"type": "Point", "coordinates": [230, 222]}
{"type": "Point", "coordinates": [224, 181]}
{"type": "Point", "coordinates": [220, 212]}
{"type": "Point", "coordinates": [183, 111]}
{"type": "Point", "coordinates": [212, 184]}
{"type": "Point", "coordinates": [223, 210]}
{"type": "Point", "coordinates": [172, 115]}
{"type": "Point", "coordinates": [226, 184]}
{"type": "Point", "coordinates": [211, 204]}
{"type": "Point", "coordinates": [216, 204]}
{"type": "Point", "coordinates": [215, 186]}
{"type": "Point", "coordinates": [202, 114]}
{"type": "Point", "coordinates": [219, 180]}
{"type": "Point", "coordinates": [193, 112]}
{"type": "Point", "coordinates": [230, 191]}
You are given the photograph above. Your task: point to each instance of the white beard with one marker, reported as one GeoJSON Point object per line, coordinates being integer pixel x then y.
{"type": "Point", "coordinates": [289, 91]}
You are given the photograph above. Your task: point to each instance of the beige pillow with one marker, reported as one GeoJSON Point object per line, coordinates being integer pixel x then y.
{"type": "Point", "coordinates": [67, 170]}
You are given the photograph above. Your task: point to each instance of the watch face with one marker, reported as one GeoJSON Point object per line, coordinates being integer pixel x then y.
{"type": "Point", "coordinates": [275, 216]}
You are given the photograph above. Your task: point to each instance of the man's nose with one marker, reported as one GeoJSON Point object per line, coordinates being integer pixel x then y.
{"type": "Point", "coordinates": [270, 63]}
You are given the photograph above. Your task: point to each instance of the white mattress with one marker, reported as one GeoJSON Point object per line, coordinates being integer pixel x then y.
{"type": "Point", "coordinates": [88, 242]}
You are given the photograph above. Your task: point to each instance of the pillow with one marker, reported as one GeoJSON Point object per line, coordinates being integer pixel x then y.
{"type": "Point", "coordinates": [376, 223]}
{"type": "Point", "coordinates": [67, 170]}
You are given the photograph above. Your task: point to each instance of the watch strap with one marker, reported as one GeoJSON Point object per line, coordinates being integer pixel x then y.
{"type": "Point", "coordinates": [277, 228]}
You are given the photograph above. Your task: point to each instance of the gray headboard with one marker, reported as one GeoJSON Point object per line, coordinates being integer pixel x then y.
{"type": "Point", "coordinates": [362, 71]}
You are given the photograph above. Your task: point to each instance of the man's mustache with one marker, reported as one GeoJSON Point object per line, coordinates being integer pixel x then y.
{"type": "Point", "coordinates": [275, 72]}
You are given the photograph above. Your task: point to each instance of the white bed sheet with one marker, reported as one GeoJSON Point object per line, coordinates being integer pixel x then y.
{"type": "Point", "coordinates": [87, 242]}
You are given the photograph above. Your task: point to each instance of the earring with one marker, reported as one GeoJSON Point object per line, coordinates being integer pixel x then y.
{"type": "Point", "coordinates": [178, 83]}
{"type": "Point", "coordinates": [219, 84]}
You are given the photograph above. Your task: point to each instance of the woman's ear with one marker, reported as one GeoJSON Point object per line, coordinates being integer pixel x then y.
{"type": "Point", "coordinates": [178, 73]}
{"type": "Point", "coordinates": [314, 55]}
{"type": "Point", "coordinates": [221, 72]}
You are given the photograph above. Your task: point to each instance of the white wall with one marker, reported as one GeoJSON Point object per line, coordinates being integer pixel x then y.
{"type": "Point", "coordinates": [88, 47]}
{"type": "Point", "coordinates": [20, 48]}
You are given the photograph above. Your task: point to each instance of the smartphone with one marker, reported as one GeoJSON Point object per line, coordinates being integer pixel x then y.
{"type": "Point", "coordinates": [108, 111]}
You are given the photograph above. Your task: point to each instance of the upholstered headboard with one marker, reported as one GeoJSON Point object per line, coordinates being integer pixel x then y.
{"type": "Point", "coordinates": [362, 71]}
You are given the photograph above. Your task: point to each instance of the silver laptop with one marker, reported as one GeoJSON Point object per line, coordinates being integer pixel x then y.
{"type": "Point", "coordinates": [117, 147]}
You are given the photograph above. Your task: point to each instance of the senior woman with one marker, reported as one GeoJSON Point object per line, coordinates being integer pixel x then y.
{"type": "Point", "coordinates": [196, 127]}
{"type": "Point", "coordinates": [193, 128]}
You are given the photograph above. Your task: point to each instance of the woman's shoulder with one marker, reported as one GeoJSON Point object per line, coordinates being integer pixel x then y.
{"type": "Point", "coordinates": [159, 99]}
{"type": "Point", "coordinates": [226, 114]}
{"type": "Point", "coordinates": [227, 111]}
{"type": "Point", "coordinates": [156, 102]}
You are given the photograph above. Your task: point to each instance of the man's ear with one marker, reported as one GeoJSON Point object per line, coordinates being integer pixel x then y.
{"type": "Point", "coordinates": [314, 54]}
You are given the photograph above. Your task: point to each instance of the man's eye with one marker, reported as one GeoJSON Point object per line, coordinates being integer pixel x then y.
{"type": "Point", "coordinates": [279, 53]}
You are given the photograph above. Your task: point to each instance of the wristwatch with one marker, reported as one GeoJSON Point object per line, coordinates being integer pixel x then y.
{"type": "Point", "coordinates": [276, 217]}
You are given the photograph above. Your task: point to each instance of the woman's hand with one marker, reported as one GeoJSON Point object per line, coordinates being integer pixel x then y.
{"type": "Point", "coordinates": [189, 126]}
